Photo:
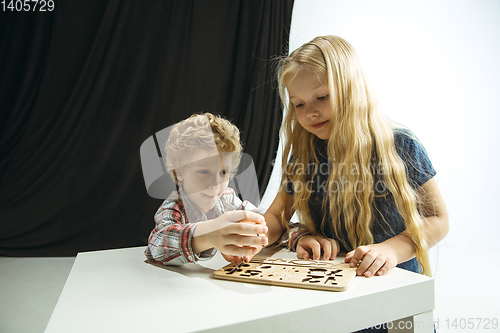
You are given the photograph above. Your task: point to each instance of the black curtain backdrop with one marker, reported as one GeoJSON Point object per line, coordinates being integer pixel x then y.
{"type": "Point", "coordinates": [83, 86]}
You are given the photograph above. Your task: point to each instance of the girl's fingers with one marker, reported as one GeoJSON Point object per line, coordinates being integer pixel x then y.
{"type": "Point", "coordinates": [326, 246]}
{"type": "Point", "coordinates": [370, 265]}
{"type": "Point", "coordinates": [335, 249]}
{"type": "Point", "coordinates": [301, 252]}
{"type": "Point", "coordinates": [371, 260]}
{"type": "Point", "coordinates": [389, 264]}
{"type": "Point", "coordinates": [358, 255]}
{"type": "Point", "coordinates": [316, 249]}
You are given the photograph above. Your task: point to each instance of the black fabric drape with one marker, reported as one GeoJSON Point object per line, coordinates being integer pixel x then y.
{"type": "Point", "coordinates": [83, 86]}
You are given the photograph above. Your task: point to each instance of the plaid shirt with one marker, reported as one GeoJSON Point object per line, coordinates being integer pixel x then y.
{"type": "Point", "coordinates": [170, 242]}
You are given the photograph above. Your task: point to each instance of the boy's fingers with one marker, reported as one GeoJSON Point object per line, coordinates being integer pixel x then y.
{"type": "Point", "coordinates": [237, 260]}
{"type": "Point", "coordinates": [244, 215]}
{"type": "Point", "coordinates": [247, 229]}
{"type": "Point", "coordinates": [228, 257]}
{"type": "Point", "coordinates": [242, 240]}
{"type": "Point", "coordinates": [239, 252]}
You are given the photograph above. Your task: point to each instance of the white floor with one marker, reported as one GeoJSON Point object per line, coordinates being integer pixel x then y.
{"type": "Point", "coordinates": [29, 289]}
{"type": "Point", "coordinates": [466, 292]}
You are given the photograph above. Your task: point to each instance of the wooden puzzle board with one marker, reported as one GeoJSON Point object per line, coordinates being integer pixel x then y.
{"type": "Point", "coordinates": [297, 273]}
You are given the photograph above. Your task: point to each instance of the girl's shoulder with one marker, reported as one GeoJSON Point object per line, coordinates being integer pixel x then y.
{"type": "Point", "coordinates": [407, 144]}
{"type": "Point", "coordinates": [412, 152]}
{"type": "Point", "coordinates": [404, 135]}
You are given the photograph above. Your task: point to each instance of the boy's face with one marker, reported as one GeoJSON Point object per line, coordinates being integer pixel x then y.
{"type": "Point", "coordinates": [205, 177]}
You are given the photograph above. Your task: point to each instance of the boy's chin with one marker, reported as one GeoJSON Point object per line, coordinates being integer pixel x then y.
{"type": "Point", "coordinates": [206, 203]}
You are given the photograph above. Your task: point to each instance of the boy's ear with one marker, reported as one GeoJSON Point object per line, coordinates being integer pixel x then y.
{"type": "Point", "coordinates": [178, 175]}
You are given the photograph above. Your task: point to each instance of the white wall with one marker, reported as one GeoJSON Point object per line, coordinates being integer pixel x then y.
{"type": "Point", "coordinates": [435, 65]}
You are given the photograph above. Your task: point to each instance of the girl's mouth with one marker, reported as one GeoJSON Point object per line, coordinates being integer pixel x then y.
{"type": "Point", "coordinates": [319, 125]}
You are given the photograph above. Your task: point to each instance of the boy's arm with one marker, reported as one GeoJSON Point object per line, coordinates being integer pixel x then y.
{"type": "Point", "coordinates": [227, 235]}
{"type": "Point", "coordinates": [170, 242]}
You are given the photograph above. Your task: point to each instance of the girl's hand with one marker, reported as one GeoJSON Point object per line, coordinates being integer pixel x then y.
{"type": "Point", "coordinates": [372, 259]}
{"type": "Point", "coordinates": [311, 247]}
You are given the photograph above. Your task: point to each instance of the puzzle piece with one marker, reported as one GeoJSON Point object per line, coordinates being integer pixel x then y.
{"type": "Point", "coordinates": [298, 273]}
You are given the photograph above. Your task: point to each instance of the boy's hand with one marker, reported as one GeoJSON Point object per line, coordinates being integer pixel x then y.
{"type": "Point", "coordinates": [238, 259]}
{"type": "Point", "coordinates": [372, 259]}
{"type": "Point", "coordinates": [310, 247]}
{"type": "Point", "coordinates": [235, 233]}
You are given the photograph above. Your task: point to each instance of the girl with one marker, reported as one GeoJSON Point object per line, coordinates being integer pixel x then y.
{"type": "Point", "coordinates": [358, 185]}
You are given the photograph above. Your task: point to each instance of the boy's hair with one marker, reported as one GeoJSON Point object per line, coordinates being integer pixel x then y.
{"type": "Point", "coordinates": [201, 131]}
{"type": "Point", "coordinates": [360, 135]}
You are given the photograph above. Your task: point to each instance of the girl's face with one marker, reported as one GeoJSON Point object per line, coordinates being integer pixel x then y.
{"type": "Point", "coordinates": [205, 177]}
{"type": "Point", "coordinates": [310, 94]}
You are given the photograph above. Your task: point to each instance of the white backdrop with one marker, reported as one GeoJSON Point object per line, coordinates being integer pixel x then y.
{"type": "Point", "coordinates": [435, 65]}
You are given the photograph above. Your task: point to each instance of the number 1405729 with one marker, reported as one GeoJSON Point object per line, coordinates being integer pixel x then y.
{"type": "Point", "coordinates": [27, 5]}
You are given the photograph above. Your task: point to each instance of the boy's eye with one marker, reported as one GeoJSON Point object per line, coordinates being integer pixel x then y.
{"type": "Point", "coordinates": [203, 172]}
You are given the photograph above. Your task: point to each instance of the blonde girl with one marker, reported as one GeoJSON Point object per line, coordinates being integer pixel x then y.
{"type": "Point", "coordinates": [358, 185]}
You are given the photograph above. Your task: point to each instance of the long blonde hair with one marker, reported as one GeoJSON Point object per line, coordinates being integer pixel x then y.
{"type": "Point", "coordinates": [361, 136]}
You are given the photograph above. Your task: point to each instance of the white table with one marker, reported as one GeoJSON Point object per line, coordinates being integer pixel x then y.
{"type": "Point", "coordinates": [115, 291]}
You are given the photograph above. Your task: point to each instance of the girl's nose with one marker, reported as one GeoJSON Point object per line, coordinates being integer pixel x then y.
{"type": "Point", "coordinates": [312, 111]}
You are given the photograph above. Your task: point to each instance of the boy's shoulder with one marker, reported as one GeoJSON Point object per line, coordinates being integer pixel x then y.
{"type": "Point", "coordinates": [229, 197]}
{"type": "Point", "coordinates": [228, 192]}
{"type": "Point", "coordinates": [172, 202]}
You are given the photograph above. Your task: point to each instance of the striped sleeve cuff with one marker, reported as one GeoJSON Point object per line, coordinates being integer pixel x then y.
{"type": "Point", "coordinates": [186, 240]}
{"type": "Point", "coordinates": [295, 234]}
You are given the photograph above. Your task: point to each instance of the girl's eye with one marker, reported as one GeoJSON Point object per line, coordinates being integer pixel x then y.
{"type": "Point", "coordinates": [203, 172]}
{"type": "Point", "coordinates": [322, 98]}
{"type": "Point", "coordinates": [224, 172]}
{"type": "Point", "coordinates": [299, 105]}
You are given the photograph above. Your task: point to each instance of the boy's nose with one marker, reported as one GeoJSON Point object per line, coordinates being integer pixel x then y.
{"type": "Point", "coordinates": [213, 187]}
{"type": "Point", "coordinates": [215, 182]}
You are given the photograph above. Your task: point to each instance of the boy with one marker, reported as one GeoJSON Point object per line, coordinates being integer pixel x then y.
{"type": "Point", "coordinates": [202, 155]}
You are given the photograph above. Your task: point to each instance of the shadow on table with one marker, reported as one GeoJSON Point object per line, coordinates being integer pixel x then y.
{"type": "Point", "coordinates": [196, 271]}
